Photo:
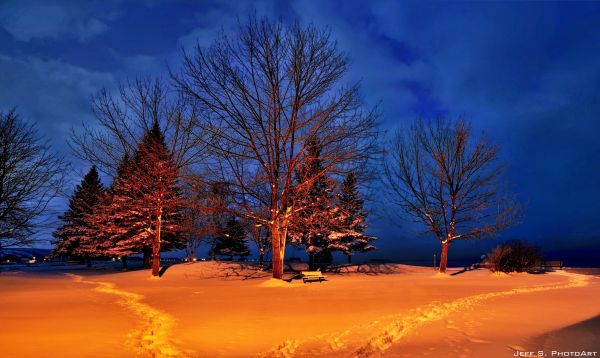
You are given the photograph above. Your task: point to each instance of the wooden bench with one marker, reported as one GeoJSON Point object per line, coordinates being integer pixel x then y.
{"type": "Point", "coordinates": [310, 276]}
{"type": "Point", "coordinates": [552, 264]}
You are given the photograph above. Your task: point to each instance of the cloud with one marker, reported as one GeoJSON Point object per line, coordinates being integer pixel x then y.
{"type": "Point", "coordinates": [137, 65]}
{"type": "Point", "coordinates": [29, 20]}
{"type": "Point", "coordinates": [52, 93]}
{"type": "Point", "coordinates": [216, 16]}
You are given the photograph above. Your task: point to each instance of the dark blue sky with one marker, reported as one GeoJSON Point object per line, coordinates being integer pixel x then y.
{"type": "Point", "coordinates": [528, 74]}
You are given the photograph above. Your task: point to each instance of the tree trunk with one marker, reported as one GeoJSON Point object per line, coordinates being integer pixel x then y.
{"type": "Point", "coordinates": [156, 250]}
{"type": "Point", "coordinates": [261, 258]}
{"type": "Point", "coordinates": [147, 251]}
{"type": "Point", "coordinates": [211, 252]}
{"type": "Point", "coordinates": [192, 255]}
{"type": "Point", "coordinates": [444, 256]}
{"type": "Point", "coordinates": [311, 261]}
{"type": "Point", "coordinates": [89, 262]}
{"type": "Point", "coordinates": [349, 259]}
{"type": "Point", "coordinates": [124, 261]}
{"type": "Point", "coordinates": [278, 241]}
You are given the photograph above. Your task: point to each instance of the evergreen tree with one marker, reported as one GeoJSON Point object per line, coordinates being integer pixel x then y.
{"type": "Point", "coordinates": [111, 220]}
{"type": "Point", "coordinates": [317, 217]}
{"type": "Point", "coordinates": [147, 202]}
{"type": "Point", "coordinates": [76, 228]}
{"type": "Point", "coordinates": [353, 218]}
{"type": "Point", "coordinates": [232, 240]}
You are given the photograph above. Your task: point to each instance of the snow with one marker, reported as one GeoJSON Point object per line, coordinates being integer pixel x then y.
{"type": "Point", "coordinates": [276, 283]}
{"type": "Point", "coordinates": [231, 309]}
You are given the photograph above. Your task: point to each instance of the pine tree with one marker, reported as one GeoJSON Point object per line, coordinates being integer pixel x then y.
{"type": "Point", "coordinates": [112, 221]}
{"type": "Point", "coordinates": [232, 240]}
{"type": "Point", "coordinates": [147, 202]}
{"type": "Point", "coordinates": [76, 228]}
{"type": "Point", "coordinates": [317, 215]}
{"type": "Point", "coordinates": [353, 218]}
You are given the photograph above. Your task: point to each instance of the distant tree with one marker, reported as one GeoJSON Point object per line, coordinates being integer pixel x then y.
{"type": "Point", "coordinates": [353, 218]}
{"type": "Point", "coordinates": [231, 241]}
{"type": "Point", "coordinates": [216, 206]}
{"type": "Point", "coordinates": [259, 235]}
{"type": "Point", "coordinates": [266, 90]}
{"type": "Point", "coordinates": [147, 200]}
{"type": "Point", "coordinates": [448, 181]}
{"type": "Point", "coordinates": [258, 232]}
{"type": "Point", "coordinates": [195, 217]}
{"type": "Point", "coordinates": [31, 176]}
{"type": "Point", "coordinates": [77, 226]}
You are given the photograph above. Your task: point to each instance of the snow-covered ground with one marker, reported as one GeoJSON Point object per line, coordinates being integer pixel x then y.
{"type": "Point", "coordinates": [209, 309]}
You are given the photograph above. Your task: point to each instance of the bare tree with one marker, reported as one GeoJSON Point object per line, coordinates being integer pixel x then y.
{"type": "Point", "coordinates": [207, 207]}
{"type": "Point", "coordinates": [259, 235]}
{"type": "Point", "coordinates": [195, 223]}
{"type": "Point", "coordinates": [447, 180]}
{"type": "Point", "coordinates": [266, 91]}
{"type": "Point", "coordinates": [127, 114]}
{"type": "Point", "coordinates": [31, 176]}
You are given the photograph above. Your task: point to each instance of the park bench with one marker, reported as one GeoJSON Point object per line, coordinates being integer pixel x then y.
{"type": "Point", "coordinates": [552, 264]}
{"type": "Point", "coordinates": [310, 276]}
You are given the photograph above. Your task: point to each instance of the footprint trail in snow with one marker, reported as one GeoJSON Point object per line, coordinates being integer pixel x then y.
{"type": "Point", "coordinates": [152, 338]}
{"type": "Point", "coordinates": [382, 334]}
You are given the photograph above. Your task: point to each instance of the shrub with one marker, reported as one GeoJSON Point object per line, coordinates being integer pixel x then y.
{"type": "Point", "coordinates": [514, 256]}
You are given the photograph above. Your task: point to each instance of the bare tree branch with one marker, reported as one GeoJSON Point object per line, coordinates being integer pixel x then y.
{"type": "Point", "coordinates": [123, 118]}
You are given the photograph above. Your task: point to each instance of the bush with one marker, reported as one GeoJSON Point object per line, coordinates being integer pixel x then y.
{"type": "Point", "coordinates": [514, 256]}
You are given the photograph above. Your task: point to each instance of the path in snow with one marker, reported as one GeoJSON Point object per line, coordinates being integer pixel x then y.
{"type": "Point", "coordinates": [152, 339]}
{"type": "Point", "coordinates": [391, 329]}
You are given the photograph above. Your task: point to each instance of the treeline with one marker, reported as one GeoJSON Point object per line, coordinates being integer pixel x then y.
{"type": "Point", "coordinates": [150, 207]}
{"type": "Point", "coordinates": [260, 135]}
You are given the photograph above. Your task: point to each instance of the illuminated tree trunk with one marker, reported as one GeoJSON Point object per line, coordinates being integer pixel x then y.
{"type": "Point", "coordinates": [278, 251]}
{"type": "Point", "coordinates": [156, 249]}
{"type": "Point", "coordinates": [278, 235]}
{"type": "Point", "coordinates": [444, 257]}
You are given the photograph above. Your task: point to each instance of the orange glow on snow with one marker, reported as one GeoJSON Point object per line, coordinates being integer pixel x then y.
{"type": "Point", "coordinates": [224, 309]}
